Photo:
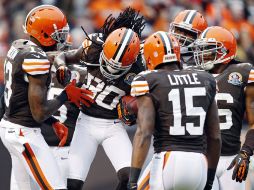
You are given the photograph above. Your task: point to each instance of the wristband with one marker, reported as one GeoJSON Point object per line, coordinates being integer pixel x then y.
{"type": "Point", "coordinates": [134, 174]}
{"type": "Point", "coordinates": [51, 120]}
{"type": "Point", "coordinates": [62, 97]}
{"type": "Point", "coordinates": [210, 175]}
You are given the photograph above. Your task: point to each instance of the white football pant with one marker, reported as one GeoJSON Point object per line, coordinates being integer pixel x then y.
{"type": "Point", "coordinates": [175, 170]}
{"type": "Point", "coordinates": [31, 156]}
{"type": "Point", "coordinates": [91, 132]}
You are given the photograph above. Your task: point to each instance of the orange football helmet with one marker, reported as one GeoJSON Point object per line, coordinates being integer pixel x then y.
{"type": "Point", "coordinates": [48, 25]}
{"type": "Point", "coordinates": [159, 48]}
{"type": "Point", "coordinates": [187, 26]}
{"type": "Point", "coordinates": [120, 51]}
{"type": "Point", "coordinates": [215, 45]}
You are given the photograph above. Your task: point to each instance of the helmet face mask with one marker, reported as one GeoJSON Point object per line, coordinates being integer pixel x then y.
{"type": "Point", "coordinates": [187, 25]}
{"type": "Point", "coordinates": [111, 69]}
{"type": "Point", "coordinates": [215, 45]}
{"type": "Point", "coordinates": [208, 52]}
{"type": "Point", "coordinates": [60, 36]}
{"type": "Point", "coordinates": [185, 36]}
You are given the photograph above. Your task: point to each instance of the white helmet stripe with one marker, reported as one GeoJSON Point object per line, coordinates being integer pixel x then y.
{"type": "Point", "coordinates": [123, 45]}
{"type": "Point", "coordinates": [167, 41]}
{"type": "Point", "coordinates": [204, 33]}
{"type": "Point", "coordinates": [189, 19]}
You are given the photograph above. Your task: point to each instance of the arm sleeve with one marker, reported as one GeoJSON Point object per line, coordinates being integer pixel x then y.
{"type": "Point", "coordinates": [139, 86]}
{"type": "Point", "coordinates": [36, 64]}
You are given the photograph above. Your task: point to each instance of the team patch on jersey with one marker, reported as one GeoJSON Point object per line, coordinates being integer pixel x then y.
{"type": "Point", "coordinates": [129, 78]}
{"type": "Point", "coordinates": [139, 88]}
{"type": "Point", "coordinates": [235, 78]}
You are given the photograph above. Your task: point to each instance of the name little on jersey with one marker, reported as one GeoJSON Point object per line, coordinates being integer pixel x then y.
{"type": "Point", "coordinates": [183, 79]}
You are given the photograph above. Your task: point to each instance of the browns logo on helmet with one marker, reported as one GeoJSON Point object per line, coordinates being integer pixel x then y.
{"type": "Point", "coordinates": [48, 25]}
{"type": "Point", "coordinates": [160, 48]}
{"type": "Point", "coordinates": [120, 51]}
{"type": "Point", "coordinates": [214, 46]}
{"type": "Point", "coordinates": [187, 25]}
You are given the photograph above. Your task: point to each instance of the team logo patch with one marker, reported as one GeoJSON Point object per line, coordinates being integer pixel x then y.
{"type": "Point", "coordinates": [235, 78]}
{"type": "Point", "coordinates": [129, 78]}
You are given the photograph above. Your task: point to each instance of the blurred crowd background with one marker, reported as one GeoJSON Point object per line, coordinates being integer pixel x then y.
{"type": "Point", "coordinates": [235, 15]}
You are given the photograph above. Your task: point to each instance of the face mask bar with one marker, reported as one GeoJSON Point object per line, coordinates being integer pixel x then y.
{"type": "Point", "coordinates": [60, 36]}
{"type": "Point", "coordinates": [182, 38]}
{"type": "Point", "coordinates": [208, 53]}
{"type": "Point", "coordinates": [105, 64]}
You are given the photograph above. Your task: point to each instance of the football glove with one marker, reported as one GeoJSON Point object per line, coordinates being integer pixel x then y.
{"type": "Point", "coordinates": [61, 131]}
{"type": "Point", "coordinates": [77, 95]}
{"type": "Point", "coordinates": [241, 166]}
{"type": "Point", "coordinates": [63, 75]}
{"type": "Point", "coordinates": [125, 114]}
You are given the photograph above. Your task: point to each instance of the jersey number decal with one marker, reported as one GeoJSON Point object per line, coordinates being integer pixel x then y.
{"type": "Point", "coordinates": [189, 93]}
{"type": "Point", "coordinates": [106, 97]}
{"type": "Point", "coordinates": [61, 114]}
{"type": "Point", "coordinates": [225, 112]}
{"type": "Point", "coordinates": [8, 81]}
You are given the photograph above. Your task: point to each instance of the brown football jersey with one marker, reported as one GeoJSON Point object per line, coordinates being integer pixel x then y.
{"type": "Point", "coordinates": [181, 100]}
{"type": "Point", "coordinates": [24, 58]}
{"type": "Point", "coordinates": [231, 103]}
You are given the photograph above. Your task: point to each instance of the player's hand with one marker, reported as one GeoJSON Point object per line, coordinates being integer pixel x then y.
{"type": "Point", "coordinates": [63, 75]}
{"type": "Point", "coordinates": [125, 114]}
{"type": "Point", "coordinates": [132, 186]}
{"type": "Point", "coordinates": [78, 95]}
{"type": "Point", "coordinates": [241, 166]}
{"type": "Point", "coordinates": [61, 131]}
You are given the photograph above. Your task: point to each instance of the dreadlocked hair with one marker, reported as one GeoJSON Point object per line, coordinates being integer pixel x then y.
{"type": "Point", "coordinates": [129, 18]}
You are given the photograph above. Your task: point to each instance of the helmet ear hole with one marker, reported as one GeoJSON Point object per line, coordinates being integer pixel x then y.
{"type": "Point", "coordinates": [45, 35]}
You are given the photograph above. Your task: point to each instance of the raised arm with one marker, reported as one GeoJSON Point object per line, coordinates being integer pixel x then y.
{"type": "Point", "coordinates": [68, 57]}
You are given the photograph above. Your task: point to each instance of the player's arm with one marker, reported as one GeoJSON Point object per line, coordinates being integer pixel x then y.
{"type": "Point", "coordinates": [64, 59]}
{"type": "Point", "coordinates": [213, 135]}
{"type": "Point", "coordinates": [42, 108]}
{"type": "Point", "coordinates": [241, 161]}
{"type": "Point", "coordinates": [142, 138]}
{"type": "Point", "coordinates": [68, 57]}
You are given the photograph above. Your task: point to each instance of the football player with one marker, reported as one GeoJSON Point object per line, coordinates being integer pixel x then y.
{"type": "Point", "coordinates": [178, 108]}
{"type": "Point", "coordinates": [215, 51]}
{"type": "Point", "coordinates": [27, 78]}
{"type": "Point", "coordinates": [112, 60]}
{"type": "Point", "coordinates": [186, 27]}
